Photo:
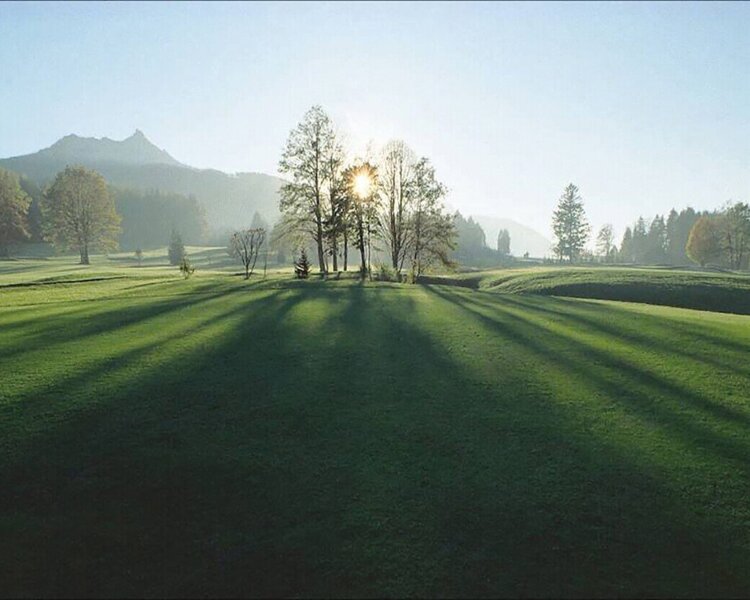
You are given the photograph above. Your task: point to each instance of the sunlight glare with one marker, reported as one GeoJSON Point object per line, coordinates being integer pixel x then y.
{"type": "Point", "coordinates": [362, 185]}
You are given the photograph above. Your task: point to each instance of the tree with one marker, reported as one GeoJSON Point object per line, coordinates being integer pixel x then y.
{"type": "Point", "coordinates": [397, 171]}
{"type": "Point", "coordinates": [305, 158]}
{"type": "Point", "coordinates": [570, 225]}
{"type": "Point", "coordinates": [34, 216]}
{"type": "Point", "coordinates": [176, 248]}
{"type": "Point", "coordinates": [302, 266]}
{"type": "Point", "coordinates": [432, 229]}
{"type": "Point", "coordinates": [605, 242]}
{"type": "Point", "coordinates": [361, 186]}
{"type": "Point", "coordinates": [245, 245]}
{"type": "Point", "coordinates": [503, 242]}
{"type": "Point", "coordinates": [655, 250]}
{"type": "Point", "coordinates": [337, 205]}
{"type": "Point", "coordinates": [626, 246]}
{"type": "Point", "coordinates": [79, 212]}
{"type": "Point", "coordinates": [704, 242]}
{"type": "Point", "coordinates": [735, 233]}
{"type": "Point", "coordinates": [639, 240]}
{"type": "Point", "coordinates": [678, 230]}
{"type": "Point", "coordinates": [14, 208]}
{"type": "Point", "coordinates": [139, 256]}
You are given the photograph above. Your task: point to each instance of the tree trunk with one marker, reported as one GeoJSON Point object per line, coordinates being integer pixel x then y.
{"type": "Point", "coordinates": [321, 254]}
{"type": "Point", "coordinates": [346, 250]}
{"type": "Point", "coordinates": [334, 254]}
{"type": "Point", "coordinates": [85, 254]}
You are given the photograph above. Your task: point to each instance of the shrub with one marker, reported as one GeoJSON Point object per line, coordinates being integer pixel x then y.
{"type": "Point", "coordinates": [186, 268]}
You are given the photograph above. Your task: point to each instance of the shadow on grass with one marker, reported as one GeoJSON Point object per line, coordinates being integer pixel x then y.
{"type": "Point", "coordinates": [324, 442]}
{"type": "Point", "coordinates": [651, 396]}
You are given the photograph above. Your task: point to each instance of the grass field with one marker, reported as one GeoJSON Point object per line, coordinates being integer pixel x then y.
{"type": "Point", "coordinates": [163, 437]}
{"type": "Point", "coordinates": [701, 290]}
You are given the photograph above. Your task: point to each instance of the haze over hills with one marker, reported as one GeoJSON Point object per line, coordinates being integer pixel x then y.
{"type": "Point", "coordinates": [229, 200]}
{"type": "Point", "coordinates": [522, 238]}
{"type": "Point", "coordinates": [135, 162]}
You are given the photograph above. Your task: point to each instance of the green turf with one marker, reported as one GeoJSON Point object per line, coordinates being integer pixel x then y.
{"type": "Point", "coordinates": [701, 290]}
{"type": "Point", "coordinates": [163, 437]}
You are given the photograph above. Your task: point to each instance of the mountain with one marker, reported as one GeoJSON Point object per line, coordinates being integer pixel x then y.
{"type": "Point", "coordinates": [522, 239]}
{"type": "Point", "coordinates": [135, 150]}
{"type": "Point", "coordinates": [229, 200]}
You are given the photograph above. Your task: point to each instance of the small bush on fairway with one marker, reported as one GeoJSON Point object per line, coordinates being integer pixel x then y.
{"type": "Point", "coordinates": [186, 268]}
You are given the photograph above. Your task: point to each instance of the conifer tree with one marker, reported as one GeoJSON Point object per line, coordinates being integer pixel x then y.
{"type": "Point", "coordinates": [302, 266]}
{"type": "Point", "coordinates": [570, 225]}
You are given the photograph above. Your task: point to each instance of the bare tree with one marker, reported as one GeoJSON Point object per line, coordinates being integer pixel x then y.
{"type": "Point", "coordinates": [431, 229]}
{"type": "Point", "coordinates": [396, 183]}
{"type": "Point", "coordinates": [605, 241]}
{"type": "Point", "coordinates": [305, 158]}
{"type": "Point", "coordinates": [337, 204]}
{"type": "Point", "coordinates": [245, 245]}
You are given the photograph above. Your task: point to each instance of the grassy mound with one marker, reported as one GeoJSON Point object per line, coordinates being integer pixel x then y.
{"type": "Point", "coordinates": [687, 289]}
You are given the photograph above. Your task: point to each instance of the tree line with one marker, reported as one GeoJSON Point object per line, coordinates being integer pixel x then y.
{"type": "Point", "coordinates": [79, 211]}
{"type": "Point", "coordinates": [391, 201]}
{"type": "Point", "coordinates": [720, 238]}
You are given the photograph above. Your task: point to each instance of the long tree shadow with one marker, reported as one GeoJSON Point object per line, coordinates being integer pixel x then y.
{"type": "Point", "coordinates": [596, 315]}
{"type": "Point", "coordinates": [325, 442]}
{"type": "Point", "coordinates": [640, 341]}
{"type": "Point", "coordinates": [624, 381]}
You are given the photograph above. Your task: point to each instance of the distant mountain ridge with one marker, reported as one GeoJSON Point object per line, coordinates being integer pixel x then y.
{"type": "Point", "coordinates": [135, 150]}
{"type": "Point", "coordinates": [229, 200]}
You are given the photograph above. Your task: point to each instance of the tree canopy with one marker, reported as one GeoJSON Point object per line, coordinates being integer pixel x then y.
{"type": "Point", "coordinates": [79, 212]}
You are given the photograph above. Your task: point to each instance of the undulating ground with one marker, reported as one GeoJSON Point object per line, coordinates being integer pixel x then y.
{"type": "Point", "coordinates": [163, 437]}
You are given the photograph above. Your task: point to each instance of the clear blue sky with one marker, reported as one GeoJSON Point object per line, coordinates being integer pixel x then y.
{"type": "Point", "coordinates": [644, 106]}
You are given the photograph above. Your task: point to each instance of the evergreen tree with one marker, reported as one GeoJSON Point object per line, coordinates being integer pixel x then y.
{"type": "Point", "coordinates": [176, 249]}
{"type": "Point", "coordinates": [626, 247]}
{"type": "Point", "coordinates": [655, 251]}
{"type": "Point", "coordinates": [503, 242]}
{"type": "Point", "coordinates": [570, 225]}
{"type": "Point", "coordinates": [639, 240]}
{"type": "Point", "coordinates": [302, 266]}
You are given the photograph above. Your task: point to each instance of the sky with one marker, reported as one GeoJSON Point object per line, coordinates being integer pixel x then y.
{"type": "Point", "coordinates": [644, 106]}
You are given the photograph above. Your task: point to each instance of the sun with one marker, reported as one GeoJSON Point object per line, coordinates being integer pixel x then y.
{"type": "Point", "coordinates": [362, 185]}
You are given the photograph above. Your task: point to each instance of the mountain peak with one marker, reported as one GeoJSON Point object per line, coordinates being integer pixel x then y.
{"type": "Point", "coordinates": [135, 150]}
